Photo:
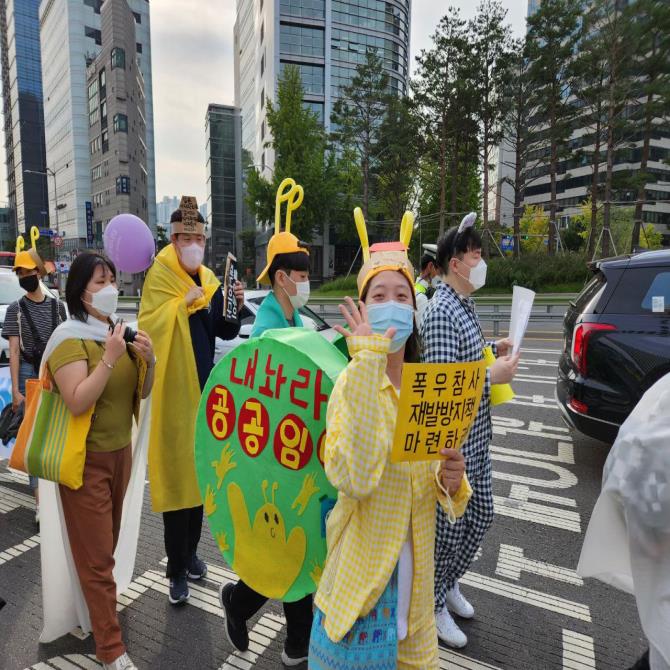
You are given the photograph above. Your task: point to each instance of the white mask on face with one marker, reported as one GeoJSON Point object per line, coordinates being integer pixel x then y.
{"type": "Point", "coordinates": [105, 300]}
{"type": "Point", "coordinates": [192, 256]}
{"type": "Point", "coordinates": [477, 277]}
{"type": "Point", "coordinates": [435, 281]}
{"type": "Point", "coordinates": [301, 298]}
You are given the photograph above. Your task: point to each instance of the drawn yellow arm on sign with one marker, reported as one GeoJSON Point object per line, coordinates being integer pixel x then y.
{"type": "Point", "coordinates": [309, 488]}
{"type": "Point", "coordinates": [224, 465]}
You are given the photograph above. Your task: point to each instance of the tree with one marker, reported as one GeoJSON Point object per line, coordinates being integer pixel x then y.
{"type": "Point", "coordinates": [533, 227]}
{"type": "Point", "coordinates": [399, 160]}
{"type": "Point", "coordinates": [519, 127]}
{"type": "Point", "coordinates": [492, 58]}
{"type": "Point", "coordinates": [301, 152]}
{"type": "Point", "coordinates": [651, 35]}
{"type": "Point", "coordinates": [162, 239]}
{"type": "Point", "coordinates": [552, 36]}
{"type": "Point", "coordinates": [358, 115]}
{"type": "Point", "coordinates": [446, 98]}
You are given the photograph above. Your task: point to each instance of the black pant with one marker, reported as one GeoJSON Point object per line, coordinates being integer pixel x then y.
{"type": "Point", "coordinates": [245, 602]}
{"type": "Point", "coordinates": [182, 529]}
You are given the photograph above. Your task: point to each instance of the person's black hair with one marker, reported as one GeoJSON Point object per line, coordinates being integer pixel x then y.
{"type": "Point", "coordinates": [426, 260]}
{"type": "Point", "coordinates": [297, 261]}
{"type": "Point", "coordinates": [413, 344]}
{"type": "Point", "coordinates": [82, 269]}
{"type": "Point", "coordinates": [176, 216]}
{"type": "Point", "coordinates": [454, 245]}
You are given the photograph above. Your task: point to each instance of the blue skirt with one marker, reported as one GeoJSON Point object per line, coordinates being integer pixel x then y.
{"type": "Point", "coordinates": [371, 644]}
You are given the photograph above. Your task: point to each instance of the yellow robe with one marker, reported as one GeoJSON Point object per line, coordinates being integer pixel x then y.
{"type": "Point", "coordinates": [176, 392]}
{"type": "Point", "coordinates": [377, 502]}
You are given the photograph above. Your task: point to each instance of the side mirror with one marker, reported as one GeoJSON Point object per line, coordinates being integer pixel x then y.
{"type": "Point", "coordinates": [245, 331]}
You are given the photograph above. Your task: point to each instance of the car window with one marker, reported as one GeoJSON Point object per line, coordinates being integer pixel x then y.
{"type": "Point", "coordinates": [246, 316]}
{"type": "Point", "coordinates": [10, 290]}
{"type": "Point", "coordinates": [642, 290]}
{"type": "Point", "coordinates": [592, 288]}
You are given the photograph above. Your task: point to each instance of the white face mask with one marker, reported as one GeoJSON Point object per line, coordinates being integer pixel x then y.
{"type": "Point", "coordinates": [105, 300]}
{"type": "Point", "coordinates": [435, 281]}
{"type": "Point", "coordinates": [192, 256]}
{"type": "Point", "coordinates": [477, 277]}
{"type": "Point", "coordinates": [301, 298]}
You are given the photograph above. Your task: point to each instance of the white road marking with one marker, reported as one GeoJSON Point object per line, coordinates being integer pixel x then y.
{"type": "Point", "coordinates": [565, 453]}
{"type": "Point", "coordinates": [565, 479]}
{"type": "Point", "coordinates": [452, 660]}
{"type": "Point", "coordinates": [503, 425]}
{"type": "Point", "coordinates": [11, 500]}
{"type": "Point", "coordinates": [578, 651]}
{"type": "Point", "coordinates": [518, 506]}
{"type": "Point", "coordinates": [528, 596]}
{"type": "Point", "coordinates": [18, 549]}
{"type": "Point", "coordinates": [512, 562]}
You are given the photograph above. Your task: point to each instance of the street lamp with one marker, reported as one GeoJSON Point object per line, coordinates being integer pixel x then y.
{"type": "Point", "coordinates": [49, 172]}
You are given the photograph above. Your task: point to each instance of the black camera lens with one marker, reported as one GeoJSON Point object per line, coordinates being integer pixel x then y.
{"type": "Point", "coordinates": [129, 335]}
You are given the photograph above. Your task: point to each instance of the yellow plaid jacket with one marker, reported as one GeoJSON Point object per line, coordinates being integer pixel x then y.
{"type": "Point", "coordinates": [377, 499]}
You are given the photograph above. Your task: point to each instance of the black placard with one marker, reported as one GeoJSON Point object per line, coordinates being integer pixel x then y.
{"type": "Point", "coordinates": [229, 300]}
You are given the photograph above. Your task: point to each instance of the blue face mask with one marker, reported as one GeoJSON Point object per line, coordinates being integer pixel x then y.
{"type": "Point", "coordinates": [398, 315]}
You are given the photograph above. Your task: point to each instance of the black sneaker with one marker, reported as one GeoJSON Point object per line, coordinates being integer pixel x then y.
{"type": "Point", "coordinates": [197, 569]}
{"type": "Point", "coordinates": [291, 656]}
{"type": "Point", "coordinates": [179, 590]}
{"type": "Point", "coordinates": [236, 629]}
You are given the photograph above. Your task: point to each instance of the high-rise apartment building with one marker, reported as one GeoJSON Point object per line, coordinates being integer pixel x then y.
{"type": "Point", "coordinates": [164, 209]}
{"type": "Point", "coordinates": [23, 113]}
{"type": "Point", "coordinates": [326, 40]}
{"type": "Point", "coordinates": [223, 129]}
{"type": "Point", "coordinates": [117, 126]}
{"type": "Point", "coordinates": [71, 40]}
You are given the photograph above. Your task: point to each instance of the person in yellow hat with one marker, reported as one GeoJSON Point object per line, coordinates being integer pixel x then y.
{"type": "Point", "coordinates": [287, 271]}
{"type": "Point", "coordinates": [182, 311]}
{"type": "Point", "coordinates": [374, 604]}
{"type": "Point", "coordinates": [28, 325]}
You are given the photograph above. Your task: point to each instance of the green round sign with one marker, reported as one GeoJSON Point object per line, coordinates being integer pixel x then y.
{"type": "Point", "coordinates": [259, 441]}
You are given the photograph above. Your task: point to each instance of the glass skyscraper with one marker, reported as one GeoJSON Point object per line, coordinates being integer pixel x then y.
{"type": "Point", "coordinates": [326, 40]}
{"type": "Point", "coordinates": [23, 113]}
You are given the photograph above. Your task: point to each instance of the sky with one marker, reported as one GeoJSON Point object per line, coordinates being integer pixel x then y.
{"type": "Point", "coordinates": [192, 62]}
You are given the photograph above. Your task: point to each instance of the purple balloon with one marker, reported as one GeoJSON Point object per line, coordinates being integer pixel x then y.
{"type": "Point", "coordinates": [129, 243]}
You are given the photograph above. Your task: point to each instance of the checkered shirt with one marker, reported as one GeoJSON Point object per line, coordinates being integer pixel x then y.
{"type": "Point", "coordinates": [451, 333]}
{"type": "Point", "coordinates": [377, 499]}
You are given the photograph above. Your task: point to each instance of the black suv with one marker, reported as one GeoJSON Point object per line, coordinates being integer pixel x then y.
{"type": "Point", "coordinates": [616, 342]}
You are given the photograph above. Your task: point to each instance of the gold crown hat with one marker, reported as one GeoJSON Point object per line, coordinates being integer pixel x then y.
{"type": "Point", "coordinates": [29, 259]}
{"type": "Point", "coordinates": [190, 223]}
{"type": "Point", "coordinates": [284, 242]}
{"type": "Point", "coordinates": [384, 255]}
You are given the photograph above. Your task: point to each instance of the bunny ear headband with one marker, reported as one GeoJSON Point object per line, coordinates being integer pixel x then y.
{"type": "Point", "coordinates": [467, 222]}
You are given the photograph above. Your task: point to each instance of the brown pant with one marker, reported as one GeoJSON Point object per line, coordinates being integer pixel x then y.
{"type": "Point", "coordinates": [93, 519]}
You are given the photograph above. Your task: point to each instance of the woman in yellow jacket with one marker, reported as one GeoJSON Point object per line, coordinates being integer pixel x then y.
{"type": "Point", "coordinates": [375, 599]}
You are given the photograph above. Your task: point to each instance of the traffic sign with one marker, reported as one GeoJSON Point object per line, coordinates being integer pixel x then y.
{"type": "Point", "coordinates": [63, 266]}
{"type": "Point", "coordinates": [58, 241]}
{"type": "Point", "coordinates": [507, 243]}
{"type": "Point", "coordinates": [47, 232]}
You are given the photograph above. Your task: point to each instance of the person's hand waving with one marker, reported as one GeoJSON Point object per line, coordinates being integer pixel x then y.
{"type": "Point", "coordinates": [357, 320]}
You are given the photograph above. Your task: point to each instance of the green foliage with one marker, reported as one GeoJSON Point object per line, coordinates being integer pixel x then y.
{"type": "Point", "coordinates": [536, 271]}
{"type": "Point", "coordinates": [162, 239]}
{"type": "Point", "coordinates": [533, 222]}
{"type": "Point", "coordinates": [341, 286]}
{"type": "Point", "coordinates": [301, 152]}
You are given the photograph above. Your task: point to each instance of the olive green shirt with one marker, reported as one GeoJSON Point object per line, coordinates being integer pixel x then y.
{"type": "Point", "coordinates": [112, 421]}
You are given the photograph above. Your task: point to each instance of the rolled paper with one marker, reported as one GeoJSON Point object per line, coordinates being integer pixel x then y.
{"type": "Point", "coordinates": [295, 199]}
{"type": "Point", "coordinates": [34, 236]}
{"type": "Point", "coordinates": [500, 393]}
{"type": "Point", "coordinates": [282, 196]}
{"type": "Point", "coordinates": [20, 244]}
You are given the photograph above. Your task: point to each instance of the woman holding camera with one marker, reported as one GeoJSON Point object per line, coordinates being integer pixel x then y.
{"type": "Point", "coordinates": [97, 362]}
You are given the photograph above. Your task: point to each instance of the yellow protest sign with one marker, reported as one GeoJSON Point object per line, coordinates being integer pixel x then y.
{"type": "Point", "coordinates": [438, 405]}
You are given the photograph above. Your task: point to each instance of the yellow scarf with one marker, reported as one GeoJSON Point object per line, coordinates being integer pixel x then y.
{"type": "Point", "coordinates": [176, 392]}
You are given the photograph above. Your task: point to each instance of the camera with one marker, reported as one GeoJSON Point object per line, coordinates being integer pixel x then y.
{"type": "Point", "coordinates": [129, 334]}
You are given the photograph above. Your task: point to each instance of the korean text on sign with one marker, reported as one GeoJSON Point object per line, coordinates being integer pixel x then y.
{"type": "Point", "coordinates": [438, 405]}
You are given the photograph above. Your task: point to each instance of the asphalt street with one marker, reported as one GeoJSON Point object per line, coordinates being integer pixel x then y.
{"type": "Point", "coordinates": [533, 612]}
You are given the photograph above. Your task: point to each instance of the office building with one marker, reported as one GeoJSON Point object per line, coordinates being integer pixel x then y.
{"type": "Point", "coordinates": [117, 127]}
{"type": "Point", "coordinates": [165, 207]}
{"type": "Point", "coordinates": [23, 114]}
{"type": "Point", "coordinates": [71, 40]}
{"type": "Point", "coordinates": [326, 40]}
{"type": "Point", "coordinates": [7, 229]}
{"type": "Point", "coordinates": [223, 130]}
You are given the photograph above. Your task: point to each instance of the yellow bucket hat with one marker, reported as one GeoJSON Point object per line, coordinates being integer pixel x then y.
{"type": "Point", "coordinates": [384, 255]}
{"type": "Point", "coordinates": [284, 242]}
{"type": "Point", "coordinates": [30, 259]}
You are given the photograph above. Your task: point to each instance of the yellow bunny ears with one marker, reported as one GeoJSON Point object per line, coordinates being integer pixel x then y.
{"type": "Point", "coordinates": [284, 242]}
{"type": "Point", "coordinates": [29, 260]}
{"type": "Point", "coordinates": [384, 255]}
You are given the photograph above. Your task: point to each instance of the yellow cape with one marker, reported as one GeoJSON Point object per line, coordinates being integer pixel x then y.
{"type": "Point", "coordinates": [176, 392]}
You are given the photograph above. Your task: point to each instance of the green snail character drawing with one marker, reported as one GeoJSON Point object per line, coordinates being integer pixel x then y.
{"type": "Point", "coordinates": [263, 555]}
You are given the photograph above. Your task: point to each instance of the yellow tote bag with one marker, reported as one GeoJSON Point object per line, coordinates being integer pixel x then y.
{"type": "Point", "coordinates": [51, 443]}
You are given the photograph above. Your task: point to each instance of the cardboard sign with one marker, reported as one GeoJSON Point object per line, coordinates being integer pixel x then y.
{"type": "Point", "coordinates": [260, 438]}
{"type": "Point", "coordinates": [229, 279]}
{"type": "Point", "coordinates": [438, 405]}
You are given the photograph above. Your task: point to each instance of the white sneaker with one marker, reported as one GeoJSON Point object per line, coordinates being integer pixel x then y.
{"type": "Point", "coordinates": [448, 631]}
{"type": "Point", "coordinates": [37, 514]}
{"type": "Point", "coordinates": [123, 662]}
{"type": "Point", "coordinates": [458, 604]}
